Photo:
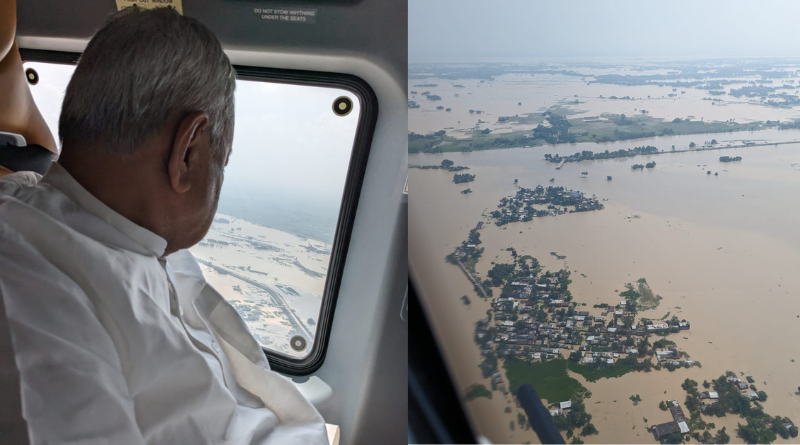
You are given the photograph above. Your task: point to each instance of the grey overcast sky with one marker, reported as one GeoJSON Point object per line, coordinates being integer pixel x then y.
{"type": "Point", "coordinates": [484, 29]}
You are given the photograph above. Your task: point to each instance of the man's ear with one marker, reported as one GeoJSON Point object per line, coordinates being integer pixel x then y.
{"type": "Point", "coordinates": [186, 150]}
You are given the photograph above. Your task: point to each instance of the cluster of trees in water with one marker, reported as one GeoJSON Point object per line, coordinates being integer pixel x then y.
{"type": "Point", "coordinates": [650, 164]}
{"type": "Point", "coordinates": [477, 390]}
{"type": "Point", "coordinates": [576, 419]}
{"type": "Point", "coordinates": [520, 204]}
{"type": "Point", "coordinates": [445, 165]}
{"type": "Point", "coordinates": [588, 155]}
{"type": "Point", "coordinates": [557, 132]}
{"type": "Point", "coordinates": [784, 99]}
{"type": "Point", "coordinates": [729, 158]}
{"type": "Point", "coordinates": [468, 253]}
{"type": "Point", "coordinates": [426, 143]}
{"type": "Point", "coordinates": [431, 96]}
{"type": "Point", "coordinates": [760, 427]}
{"type": "Point", "coordinates": [620, 135]}
{"type": "Point", "coordinates": [789, 125]}
{"type": "Point", "coordinates": [507, 142]}
{"type": "Point", "coordinates": [752, 91]}
{"type": "Point", "coordinates": [416, 136]}
{"type": "Point", "coordinates": [763, 92]}
{"type": "Point", "coordinates": [460, 178]}
{"type": "Point", "coordinates": [623, 120]}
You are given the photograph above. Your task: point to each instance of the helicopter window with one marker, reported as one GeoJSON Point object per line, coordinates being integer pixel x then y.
{"type": "Point", "coordinates": [277, 246]}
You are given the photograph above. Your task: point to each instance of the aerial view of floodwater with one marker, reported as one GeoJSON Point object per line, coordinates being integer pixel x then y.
{"type": "Point", "coordinates": [606, 232]}
{"type": "Point", "coordinates": [273, 279]}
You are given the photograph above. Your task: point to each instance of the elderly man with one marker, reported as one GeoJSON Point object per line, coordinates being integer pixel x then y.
{"type": "Point", "coordinates": [117, 337]}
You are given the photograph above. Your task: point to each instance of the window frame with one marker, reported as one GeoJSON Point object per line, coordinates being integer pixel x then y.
{"type": "Point", "coordinates": [362, 144]}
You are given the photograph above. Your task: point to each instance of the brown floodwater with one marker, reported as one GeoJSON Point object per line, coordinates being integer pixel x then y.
{"type": "Point", "coordinates": [501, 97]}
{"type": "Point", "coordinates": [723, 252]}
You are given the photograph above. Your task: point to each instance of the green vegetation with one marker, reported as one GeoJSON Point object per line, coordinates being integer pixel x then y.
{"type": "Point", "coordinates": [604, 128]}
{"type": "Point", "coordinates": [468, 254]}
{"type": "Point", "coordinates": [577, 440]}
{"type": "Point", "coordinates": [663, 343]}
{"type": "Point", "coordinates": [647, 300]}
{"type": "Point", "coordinates": [560, 257]}
{"type": "Point", "coordinates": [589, 430]}
{"type": "Point", "coordinates": [477, 390]}
{"type": "Point", "coordinates": [635, 399]}
{"type": "Point", "coordinates": [729, 158]}
{"type": "Point", "coordinates": [588, 155]}
{"type": "Point", "coordinates": [520, 206]}
{"type": "Point", "coordinates": [756, 431]}
{"type": "Point", "coordinates": [760, 427]}
{"type": "Point", "coordinates": [460, 178]}
{"type": "Point", "coordinates": [597, 371]}
{"type": "Point", "coordinates": [640, 297]}
{"type": "Point", "coordinates": [446, 164]}
{"type": "Point", "coordinates": [521, 420]}
{"type": "Point", "coordinates": [722, 437]}
{"type": "Point", "coordinates": [557, 132]}
{"type": "Point", "coordinates": [576, 418]}
{"type": "Point", "coordinates": [465, 299]}
{"type": "Point", "coordinates": [662, 406]}
{"type": "Point", "coordinates": [499, 272]}
{"type": "Point", "coordinates": [488, 366]}
{"type": "Point", "coordinates": [672, 438]}
{"type": "Point", "coordinates": [550, 378]}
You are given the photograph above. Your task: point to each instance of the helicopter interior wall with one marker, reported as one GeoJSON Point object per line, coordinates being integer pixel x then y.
{"type": "Point", "coordinates": [365, 365]}
{"type": "Point", "coordinates": [374, 30]}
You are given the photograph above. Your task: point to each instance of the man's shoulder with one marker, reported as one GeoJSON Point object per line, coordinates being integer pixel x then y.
{"type": "Point", "coordinates": [34, 288]}
{"type": "Point", "coordinates": [43, 250]}
{"type": "Point", "coordinates": [24, 189]}
{"type": "Point", "coordinates": [18, 186]}
{"type": "Point", "coordinates": [19, 179]}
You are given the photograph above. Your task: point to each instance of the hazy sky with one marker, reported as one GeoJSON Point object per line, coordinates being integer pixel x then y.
{"type": "Point", "coordinates": [483, 29]}
{"type": "Point", "coordinates": [287, 142]}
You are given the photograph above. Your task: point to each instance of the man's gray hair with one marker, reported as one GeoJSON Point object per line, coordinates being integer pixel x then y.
{"type": "Point", "coordinates": [142, 68]}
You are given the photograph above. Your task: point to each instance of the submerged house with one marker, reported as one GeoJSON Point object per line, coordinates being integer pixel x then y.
{"type": "Point", "coordinates": [665, 429]}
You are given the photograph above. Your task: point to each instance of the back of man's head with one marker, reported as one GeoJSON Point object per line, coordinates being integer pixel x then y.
{"type": "Point", "coordinates": [142, 69]}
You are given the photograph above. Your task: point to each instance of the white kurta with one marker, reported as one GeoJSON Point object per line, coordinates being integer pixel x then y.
{"type": "Point", "coordinates": [115, 344]}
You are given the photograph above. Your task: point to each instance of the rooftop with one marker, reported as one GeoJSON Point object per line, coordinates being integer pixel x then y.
{"type": "Point", "coordinates": [664, 429]}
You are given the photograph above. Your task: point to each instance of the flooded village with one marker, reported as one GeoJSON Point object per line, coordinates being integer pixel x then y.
{"type": "Point", "coordinates": [536, 270]}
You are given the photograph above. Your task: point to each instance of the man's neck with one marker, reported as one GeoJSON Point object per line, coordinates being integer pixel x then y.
{"type": "Point", "coordinates": [126, 184]}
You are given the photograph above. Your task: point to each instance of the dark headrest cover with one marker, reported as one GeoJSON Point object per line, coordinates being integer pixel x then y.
{"type": "Point", "coordinates": [34, 158]}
